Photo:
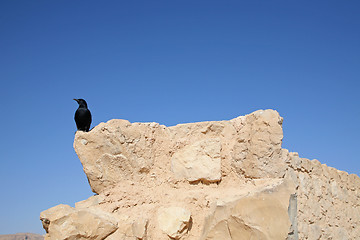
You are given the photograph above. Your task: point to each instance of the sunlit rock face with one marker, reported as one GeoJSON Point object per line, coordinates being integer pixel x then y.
{"type": "Point", "coordinates": [206, 180]}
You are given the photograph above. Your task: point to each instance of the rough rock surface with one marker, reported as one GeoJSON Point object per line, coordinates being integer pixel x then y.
{"type": "Point", "coordinates": [198, 162]}
{"type": "Point", "coordinates": [174, 221]}
{"type": "Point", "coordinates": [65, 222]}
{"type": "Point", "coordinates": [257, 215]}
{"type": "Point", "coordinates": [222, 180]}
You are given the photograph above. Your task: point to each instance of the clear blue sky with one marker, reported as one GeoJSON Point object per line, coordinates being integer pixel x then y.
{"type": "Point", "coordinates": [168, 62]}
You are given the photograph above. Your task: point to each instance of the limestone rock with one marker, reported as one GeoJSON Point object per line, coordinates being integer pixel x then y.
{"type": "Point", "coordinates": [233, 176]}
{"type": "Point", "coordinates": [65, 222]}
{"type": "Point", "coordinates": [259, 215]}
{"type": "Point", "coordinates": [114, 151]}
{"type": "Point", "coordinates": [54, 213]}
{"type": "Point", "coordinates": [119, 150]}
{"type": "Point", "coordinates": [91, 201]}
{"type": "Point", "coordinates": [199, 161]}
{"type": "Point", "coordinates": [124, 231]}
{"type": "Point", "coordinates": [139, 228]}
{"type": "Point", "coordinates": [257, 152]}
{"type": "Point", "coordinates": [174, 221]}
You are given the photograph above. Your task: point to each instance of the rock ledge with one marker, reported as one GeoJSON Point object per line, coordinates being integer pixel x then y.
{"type": "Point", "coordinates": [207, 180]}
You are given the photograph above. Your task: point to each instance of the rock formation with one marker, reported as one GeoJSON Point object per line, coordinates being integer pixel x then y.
{"type": "Point", "coordinates": [207, 180]}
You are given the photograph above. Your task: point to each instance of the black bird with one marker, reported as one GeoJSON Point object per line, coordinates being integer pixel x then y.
{"type": "Point", "coordinates": [82, 116]}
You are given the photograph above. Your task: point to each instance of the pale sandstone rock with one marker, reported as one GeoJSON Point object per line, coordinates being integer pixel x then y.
{"type": "Point", "coordinates": [120, 236]}
{"type": "Point", "coordinates": [314, 232]}
{"type": "Point", "coordinates": [120, 150]}
{"type": "Point", "coordinates": [91, 201]}
{"type": "Point", "coordinates": [114, 151]}
{"type": "Point", "coordinates": [257, 151]}
{"type": "Point", "coordinates": [174, 221]}
{"type": "Point", "coordinates": [50, 215]}
{"type": "Point", "coordinates": [199, 161]}
{"type": "Point", "coordinates": [139, 228]}
{"type": "Point", "coordinates": [69, 223]}
{"type": "Point", "coordinates": [138, 168]}
{"type": "Point", "coordinates": [124, 231]}
{"type": "Point", "coordinates": [259, 215]}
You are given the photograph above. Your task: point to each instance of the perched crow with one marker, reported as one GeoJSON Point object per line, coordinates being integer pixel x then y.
{"type": "Point", "coordinates": [82, 116]}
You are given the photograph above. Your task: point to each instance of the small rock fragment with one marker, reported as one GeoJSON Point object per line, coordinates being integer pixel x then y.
{"type": "Point", "coordinates": [174, 221]}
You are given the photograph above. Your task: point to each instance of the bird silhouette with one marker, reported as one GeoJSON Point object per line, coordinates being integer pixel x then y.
{"type": "Point", "coordinates": [82, 116]}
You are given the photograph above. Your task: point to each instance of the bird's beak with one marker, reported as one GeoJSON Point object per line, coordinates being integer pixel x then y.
{"type": "Point", "coordinates": [77, 100]}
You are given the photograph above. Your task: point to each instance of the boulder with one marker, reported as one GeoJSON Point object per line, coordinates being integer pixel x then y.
{"type": "Point", "coordinates": [66, 223]}
{"type": "Point", "coordinates": [261, 215]}
{"type": "Point", "coordinates": [52, 214]}
{"type": "Point", "coordinates": [174, 221]}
